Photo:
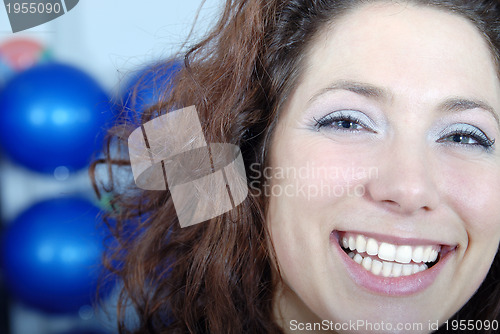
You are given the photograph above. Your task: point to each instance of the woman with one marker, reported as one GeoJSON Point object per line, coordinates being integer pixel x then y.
{"type": "Point", "coordinates": [368, 132]}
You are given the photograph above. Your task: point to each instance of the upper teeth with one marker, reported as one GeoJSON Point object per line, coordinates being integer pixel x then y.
{"type": "Point", "coordinates": [390, 252]}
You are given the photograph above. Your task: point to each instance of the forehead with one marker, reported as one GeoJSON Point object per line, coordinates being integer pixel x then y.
{"type": "Point", "coordinates": [400, 46]}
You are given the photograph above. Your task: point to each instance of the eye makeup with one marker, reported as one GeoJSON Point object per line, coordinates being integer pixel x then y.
{"type": "Point", "coordinates": [345, 120]}
{"type": "Point", "coordinates": [466, 134]}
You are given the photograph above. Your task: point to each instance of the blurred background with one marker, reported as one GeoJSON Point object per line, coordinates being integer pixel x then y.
{"type": "Point", "coordinates": [56, 81]}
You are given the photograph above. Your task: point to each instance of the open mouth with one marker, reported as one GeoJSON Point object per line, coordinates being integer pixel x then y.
{"type": "Point", "coordinates": [386, 259]}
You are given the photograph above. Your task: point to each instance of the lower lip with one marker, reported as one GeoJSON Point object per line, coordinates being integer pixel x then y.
{"type": "Point", "coordinates": [393, 286]}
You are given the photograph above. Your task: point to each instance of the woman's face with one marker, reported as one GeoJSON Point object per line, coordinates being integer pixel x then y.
{"type": "Point", "coordinates": [386, 147]}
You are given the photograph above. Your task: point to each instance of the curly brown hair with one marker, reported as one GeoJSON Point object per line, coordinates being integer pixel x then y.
{"type": "Point", "coordinates": [218, 277]}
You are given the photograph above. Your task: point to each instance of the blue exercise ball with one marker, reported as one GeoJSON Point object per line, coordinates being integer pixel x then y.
{"type": "Point", "coordinates": [51, 255]}
{"type": "Point", "coordinates": [5, 72]}
{"type": "Point", "coordinates": [53, 115]}
{"type": "Point", "coordinates": [149, 86]}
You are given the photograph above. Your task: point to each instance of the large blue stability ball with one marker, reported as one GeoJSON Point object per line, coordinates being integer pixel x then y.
{"type": "Point", "coordinates": [148, 87]}
{"type": "Point", "coordinates": [53, 115]}
{"type": "Point", "coordinates": [51, 255]}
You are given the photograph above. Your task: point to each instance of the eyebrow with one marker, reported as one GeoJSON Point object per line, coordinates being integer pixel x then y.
{"type": "Point", "coordinates": [453, 104]}
{"type": "Point", "coordinates": [360, 88]}
{"type": "Point", "coordinates": [460, 104]}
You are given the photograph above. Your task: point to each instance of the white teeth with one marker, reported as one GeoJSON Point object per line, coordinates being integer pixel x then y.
{"type": "Point", "coordinates": [390, 252]}
{"type": "Point", "coordinates": [387, 269]}
{"type": "Point", "coordinates": [402, 260]}
{"type": "Point", "coordinates": [372, 247]}
{"type": "Point", "coordinates": [418, 254]}
{"type": "Point", "coordinates": [358, 258]}
{"type": "Point", "coordinates": [397, 268]}
{"type": "Point", "coordinates": [361, 244]}
{"type": "Point", "coordinates": [367, 263]}
{"type": "Point", "coordinates": [427, 254]}
{"type": "Point", "coordinates": [376, 267]}
{"type": "Point", "coordinates": [387, 251]}
{"type": "Point", "coordinates": [345, 242]}
{"type": "Point", "coordinates": [434, 255]}
{"type": "Point", "coordinates": [403, 254]}
{"type": "Point", "coordinates": [352, 243]}
{"type": "Point", "coordinates": [407, 269]}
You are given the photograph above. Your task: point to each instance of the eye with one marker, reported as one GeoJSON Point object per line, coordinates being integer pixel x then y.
{"type": "Point", "coordinates": [345, 120]}
{"type": "Point", "coordinates": [467, 135]}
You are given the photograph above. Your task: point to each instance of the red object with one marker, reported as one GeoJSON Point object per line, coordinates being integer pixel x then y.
{"type": "Point", "coordinates": [21, 53]}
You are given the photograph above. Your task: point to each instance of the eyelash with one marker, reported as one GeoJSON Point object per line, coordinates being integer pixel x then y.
{"type": "Point", "coordinates": [329, 120]}
{"type": "Point", "coordinates": [475, 134]}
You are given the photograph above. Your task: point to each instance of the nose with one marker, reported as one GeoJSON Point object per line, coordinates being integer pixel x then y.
{"type": "Point", "coordinates": [406, 180]}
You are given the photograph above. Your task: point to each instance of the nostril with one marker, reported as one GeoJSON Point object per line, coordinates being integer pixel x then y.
{"type": "Point", "coordinates": [391, 205]}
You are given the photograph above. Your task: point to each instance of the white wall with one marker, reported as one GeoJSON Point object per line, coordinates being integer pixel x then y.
{"type": "Point", "coordinates": [109, 36]}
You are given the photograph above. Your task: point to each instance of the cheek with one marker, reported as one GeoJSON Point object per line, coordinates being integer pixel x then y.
{"type": "Point", "coordinates": [472, 190]}
{"type": "Point", "coordinates": [309, 180]}
{"type": "Point", "coordinates": [305, 179]}
{"type": "Point", "coordinates": [315, 172]}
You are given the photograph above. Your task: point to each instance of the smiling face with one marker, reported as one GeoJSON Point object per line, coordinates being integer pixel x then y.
{"type": "Point", "coordinates": [385, 175]}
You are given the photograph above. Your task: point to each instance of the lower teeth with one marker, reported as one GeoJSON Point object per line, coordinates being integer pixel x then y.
{"type": "Point", "coordinates": [387, 268]}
